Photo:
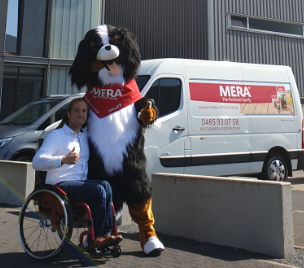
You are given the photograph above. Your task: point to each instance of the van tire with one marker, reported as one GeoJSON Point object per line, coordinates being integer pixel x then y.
{"type": "Point", "coordinates": [275, 169]}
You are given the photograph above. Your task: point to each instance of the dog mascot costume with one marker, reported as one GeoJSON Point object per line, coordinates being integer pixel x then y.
{"type": "Point", "coordinates": [107, 62]}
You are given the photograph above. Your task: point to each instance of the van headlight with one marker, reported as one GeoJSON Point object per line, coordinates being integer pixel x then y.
{"type": "Point", "coordinates": [5, 141]}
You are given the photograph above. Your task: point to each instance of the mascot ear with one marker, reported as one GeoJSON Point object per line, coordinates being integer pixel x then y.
{"type": "Point", "coordinates": [129, 52]}
{"type": "Point", "coordinates": [80, 70]}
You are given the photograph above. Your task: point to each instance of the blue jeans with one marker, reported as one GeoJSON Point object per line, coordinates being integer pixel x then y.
{"type": "Point", "coordinates": [98, 195]}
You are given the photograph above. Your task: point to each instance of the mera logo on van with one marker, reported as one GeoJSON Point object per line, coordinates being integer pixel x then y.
{"type": "Point", "coordinates": [234, 91]}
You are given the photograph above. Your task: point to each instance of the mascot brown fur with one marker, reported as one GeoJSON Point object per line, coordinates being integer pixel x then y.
{"type": "Point", "coordinates": [107, 62]}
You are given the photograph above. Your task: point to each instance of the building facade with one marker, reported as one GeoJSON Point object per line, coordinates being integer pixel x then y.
{"type": "Point", "coordinates": [38, 42]}
{"type": "Point", "coordinates": [250, 31]}
{"type": "Point", "coordinates": [39, 38]}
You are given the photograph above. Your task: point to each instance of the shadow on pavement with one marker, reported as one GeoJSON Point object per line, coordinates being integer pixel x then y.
{"type": "Point", "coordinates": [223, 253]}
{"type": "Point", "coordinates": [296, 180]}
{"type": "Point", "coordinates": [68, 257]}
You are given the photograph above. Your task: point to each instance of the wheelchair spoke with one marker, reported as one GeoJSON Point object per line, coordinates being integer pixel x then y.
{"type": "Point", "coordinates": [38, 242]}
{"type": "Point", "coordinates": [34, 241]}
{"type": "Point", "coordinates": [30, 228]}
{"type": "Point", "coordinates": [46, 240]}
{"type": "Point", "coordinates": [32, 232]}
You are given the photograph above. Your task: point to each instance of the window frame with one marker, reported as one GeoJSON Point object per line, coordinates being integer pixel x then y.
{"type": "Point", "coordinates": [248, 29]}
{"type": "Point", "coordinates": [17, 81]}
{"type": "Point", "coordinates": [21, 4]}
{"type": "Point", "coordinates": [159, 78]}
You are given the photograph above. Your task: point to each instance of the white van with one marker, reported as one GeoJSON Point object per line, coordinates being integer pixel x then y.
{"type": "Point", "coordinates": [222, 118]}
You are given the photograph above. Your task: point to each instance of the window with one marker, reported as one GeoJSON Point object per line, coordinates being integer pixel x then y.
{"type": "Point", "coordinates": [265, 25]}
{"type": "Point", "coordinates": [275, 26]}
{"type": "Point", "coordinates": [32, 111]}
{"type": "Point", "coordinates": [238, 21]}
{"type": "Point", "coordinates": [33, 28]}
{"type": "Point", "coordinates": [45, 124]}
{"type": "Point", "coordinates": [141, 81]}
{"type": "Point", "coordinates": [26, 27]}
{"type": "Point", "coordinates": [61, 112]}
{"type": "Point", "coordinates": [12, 26]}
{"type": "Point", "coordinates": [21, 85]}
{"type": "Point", "coordinates": [166, 94]}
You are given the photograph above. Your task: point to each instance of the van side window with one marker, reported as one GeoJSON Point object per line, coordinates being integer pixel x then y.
{"type": "Point", "coordinates": [166, 93]}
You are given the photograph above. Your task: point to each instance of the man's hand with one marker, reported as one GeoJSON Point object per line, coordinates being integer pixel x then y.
{"type": "Point", "coordinates": [71, 158]}
{"type": "Point", "coordinates": [148, 114]}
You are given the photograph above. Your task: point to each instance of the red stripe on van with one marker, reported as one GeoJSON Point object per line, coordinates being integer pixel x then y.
{"type": "Point", "coordinates": [232, 93]}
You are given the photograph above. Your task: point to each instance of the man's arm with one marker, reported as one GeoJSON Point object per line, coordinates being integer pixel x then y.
{"type": "Point", "coordinates": [46, 159]}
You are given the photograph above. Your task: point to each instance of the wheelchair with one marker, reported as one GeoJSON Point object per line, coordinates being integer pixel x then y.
{"type": "Point", "coordinates": [50, 220]}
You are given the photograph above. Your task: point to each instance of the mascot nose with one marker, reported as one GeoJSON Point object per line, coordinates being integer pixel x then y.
{"type": "Point", "coordinates": [108, 52]}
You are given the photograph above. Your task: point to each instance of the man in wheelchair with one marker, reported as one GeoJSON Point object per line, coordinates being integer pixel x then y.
{"type": "Point", "coordinates": [64, 154]}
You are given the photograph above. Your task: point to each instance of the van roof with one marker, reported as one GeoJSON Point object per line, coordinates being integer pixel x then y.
{"type": "Point", "coordinates": [216, 70]}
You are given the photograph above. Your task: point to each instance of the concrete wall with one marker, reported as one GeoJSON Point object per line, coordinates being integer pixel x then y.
{"type": "Point", "coordinates": [16, 182]}
{"type": "Point", "coordinates": [248, 214]}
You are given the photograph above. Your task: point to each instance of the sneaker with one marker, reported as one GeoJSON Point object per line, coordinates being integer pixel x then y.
{"type": "Point", "coordinates": [116, 240]}
{"type": "Point", "coordinates": [103, 242]}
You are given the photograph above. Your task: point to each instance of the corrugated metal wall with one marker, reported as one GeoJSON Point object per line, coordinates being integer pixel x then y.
{"type": "Point", "coordinates": [71, 19]}
{"type": "Point", "coordinates": [260, 48]}
{"type": "Point", "coordinates": [164, 28]}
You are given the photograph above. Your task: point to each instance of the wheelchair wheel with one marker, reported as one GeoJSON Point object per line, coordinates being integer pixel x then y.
{"type": "Point", "coordinates": [80, 224]}
{"type": "Point", "coordinates": [45, 222]}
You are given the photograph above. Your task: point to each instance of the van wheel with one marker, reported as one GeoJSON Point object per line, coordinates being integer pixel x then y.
{"type": "Point", "coordinates": [24, 158]}
{"type": "Point", "coordinates": [275, 169]}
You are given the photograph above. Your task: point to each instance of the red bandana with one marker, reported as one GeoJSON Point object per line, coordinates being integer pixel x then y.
{"type": "Point", "coordinates": [104, 100]}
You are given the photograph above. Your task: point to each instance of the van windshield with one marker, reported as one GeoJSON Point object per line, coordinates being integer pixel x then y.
{"type": "Point", "coordinates": [141, 81]}
{"type": "Point", "coordinates": [32, 111]}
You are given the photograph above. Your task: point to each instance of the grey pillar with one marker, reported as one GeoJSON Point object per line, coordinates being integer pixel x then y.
{"type": "Point", "coordinates": [210, 27]}
{"type": "Point", "coordinates": [3, 14]}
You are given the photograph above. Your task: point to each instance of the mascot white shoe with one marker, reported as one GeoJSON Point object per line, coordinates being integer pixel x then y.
{"type": "Point", "coordinates": [107, 62]}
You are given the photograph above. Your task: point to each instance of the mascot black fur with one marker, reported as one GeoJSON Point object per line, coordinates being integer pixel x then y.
{"type": "Point", "coordinates": [107, 62]}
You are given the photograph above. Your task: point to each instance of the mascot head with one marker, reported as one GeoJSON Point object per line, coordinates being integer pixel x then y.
{"type": "Point", "coordinates": [106, 55]}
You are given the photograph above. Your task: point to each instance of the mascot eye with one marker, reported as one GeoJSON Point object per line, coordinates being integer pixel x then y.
{"type": "Point", "coordinates": [95, 50]}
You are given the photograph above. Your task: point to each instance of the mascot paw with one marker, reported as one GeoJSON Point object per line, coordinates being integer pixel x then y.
{"type": "Point", "coordinates": [153, 246]}
{"type": "Point", "coordinates": [148, 114]}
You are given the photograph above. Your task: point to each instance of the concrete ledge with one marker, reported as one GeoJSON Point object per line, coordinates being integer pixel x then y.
{"type": "Point", "coordinates": [248, 214]}
{"type": "Point", "coordinates": [17, 181]}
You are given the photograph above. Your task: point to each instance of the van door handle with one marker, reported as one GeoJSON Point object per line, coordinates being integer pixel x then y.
{"type": "Point", "coordinates": [178, 128]}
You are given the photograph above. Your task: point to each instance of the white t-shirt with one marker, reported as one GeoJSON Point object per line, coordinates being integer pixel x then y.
{"type": "Point", "coordinates": [57, 144]}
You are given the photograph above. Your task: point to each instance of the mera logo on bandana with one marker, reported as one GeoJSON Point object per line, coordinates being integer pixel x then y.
{"type": "Point", "coordinates": [104, 101]}
{"type": "Point", "coordinates": [106, 93]}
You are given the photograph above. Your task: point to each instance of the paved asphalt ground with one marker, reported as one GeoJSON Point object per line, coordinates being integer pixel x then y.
{"type": "Point", "coordinates": [178, 253]}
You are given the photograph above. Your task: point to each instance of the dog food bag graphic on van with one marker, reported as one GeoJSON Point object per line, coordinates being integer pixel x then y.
{"type": "Point", "coordinates": [282, 98]}
{"type": "Point", "coordinates": [232, 102]}
{"type": "Point", "coordinates": [274, 100]}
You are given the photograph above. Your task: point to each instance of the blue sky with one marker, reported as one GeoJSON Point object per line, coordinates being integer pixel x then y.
{"type": "Point", "coordinates": [12, 17]}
